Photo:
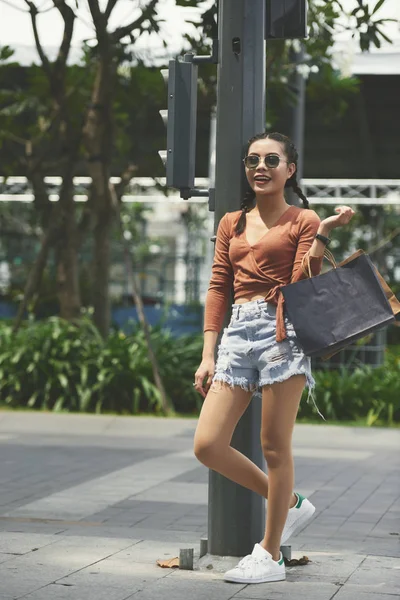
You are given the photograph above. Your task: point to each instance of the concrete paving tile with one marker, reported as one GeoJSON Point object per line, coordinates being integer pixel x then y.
{"type": "Point", "coordinates": [190, 493]}
{"type": "Point", "coordinates": [329, 566]}
{"type": "Point", "coordinates": [96, 543]}
{"type": "Point", "coordinates": [89, 473]}
{"type": "Point", "coordinates": [196, 529]}
{"type": "Point", "coordinates": [6, 557]}
{"type": "Point", "coordinates": [355, 528]}
{"type": "Point", "coordinates": [381, 574]}
{"type": "Point", "coordinates": [97, 494]}
{"type": "Point", "coordinates": [366, 516]}
{"type": "Point", "coordinates": [349, 592]}
{"type": "Point", "coordinates": [155, 521]}
{"type": "Point", "coordinates": [60, 561]}
{"type": "Point", "coordinates": [148, 552]}
{"type": "Point", "coordinates": [31, 527]}
{"type": "Point", "coordinates": [283, 590]}
{"type": "Point", "coordinates": [56, 591]}
{"type": "Point", "coordinates": [19, 543]}
{"type": "Point", "coordinates": [182, 589]}
{"type": "Point", "coordinates": [115, 573]}
{"type": "Point", "coordinates": [18, 584]}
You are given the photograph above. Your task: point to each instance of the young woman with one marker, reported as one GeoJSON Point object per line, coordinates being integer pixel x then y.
{"type": "Point", "coordinates": [258, 249]}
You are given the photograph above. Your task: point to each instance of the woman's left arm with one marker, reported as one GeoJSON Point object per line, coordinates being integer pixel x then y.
{"type": "Point", "coordinates": [344, 215]}
{"type": "Point", "coordinates": [314, 248]}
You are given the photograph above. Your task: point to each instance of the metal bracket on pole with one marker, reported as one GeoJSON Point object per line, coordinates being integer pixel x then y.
{"type": "Point", "coordinates": [212, 58]}
{"type": "Point", "coordinates": [187, 193]}
{"type": "Point", "coordinates": [211, 199]}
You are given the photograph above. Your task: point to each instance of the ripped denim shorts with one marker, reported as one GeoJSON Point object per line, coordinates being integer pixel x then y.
{"type": "Point", "coordinates": [249, 355]}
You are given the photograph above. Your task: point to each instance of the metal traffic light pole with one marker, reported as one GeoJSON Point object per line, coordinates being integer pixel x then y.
{"type": "Point", "coordinates": [237, 515]}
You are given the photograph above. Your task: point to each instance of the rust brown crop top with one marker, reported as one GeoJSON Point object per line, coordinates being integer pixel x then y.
{"type": "Point", "coordinates": [274, 261]}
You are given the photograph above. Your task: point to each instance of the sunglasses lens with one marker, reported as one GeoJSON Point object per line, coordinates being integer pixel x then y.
{"type": "Point", "coordinates": [251, 161]}
{"type": "Point", "coordinates": [272, 161]}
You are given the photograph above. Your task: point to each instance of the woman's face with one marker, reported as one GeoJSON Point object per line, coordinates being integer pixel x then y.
{"type": "Point", "coordinates": [269, 180]}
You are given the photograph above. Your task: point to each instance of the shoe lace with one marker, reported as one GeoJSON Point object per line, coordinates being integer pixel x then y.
{"type": "Point", "coordinates": [247, 559]}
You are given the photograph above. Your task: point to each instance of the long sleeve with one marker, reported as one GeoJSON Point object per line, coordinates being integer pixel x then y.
{"type": "Point", "coordinates": [221, 279]}
{"type": "Point", "coordinates": [308, 231]}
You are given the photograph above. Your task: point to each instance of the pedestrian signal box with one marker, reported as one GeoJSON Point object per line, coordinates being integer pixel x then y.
{"type": "Point", "coordinates": [286, 19]}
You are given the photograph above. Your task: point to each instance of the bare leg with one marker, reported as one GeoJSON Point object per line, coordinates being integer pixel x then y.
{"type": "Point", "coordinates": [219, 416]}
{"type": "Point", "coordinates": [280, 406]}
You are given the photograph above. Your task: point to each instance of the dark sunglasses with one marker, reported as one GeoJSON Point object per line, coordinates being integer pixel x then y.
{"type": "Point", "coordinates": [271, 160]}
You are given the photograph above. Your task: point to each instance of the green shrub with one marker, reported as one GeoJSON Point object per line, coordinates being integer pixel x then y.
{"type": "Point", "coordinates": [60, 366]}
{"type": "Point", "coordinates": [371, 395]}
{"type": "Point", "coordinates": [56, 365]}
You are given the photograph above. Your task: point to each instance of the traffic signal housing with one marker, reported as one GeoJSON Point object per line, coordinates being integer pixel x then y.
{"type": "Point", "coordinates": [180, 118]}
{"type": "Point", "coordinates": [286, 19]}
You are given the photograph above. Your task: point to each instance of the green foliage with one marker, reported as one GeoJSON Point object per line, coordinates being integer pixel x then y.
{"type": "Point", "coordinates": [367, 394]}
{"type": "Point", "coordinates": [326, 18]}
{"type": "Point", "coordinates": [61, 366]}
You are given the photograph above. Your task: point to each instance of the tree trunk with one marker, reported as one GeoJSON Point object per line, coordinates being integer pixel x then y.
{"type": "Point", "coordinates": [36, 272]}
{"type": "Point", "coordinates": [66, 246]}
{"type": "Point", "coordinates": [101, 298]}
{"type": "Point", "coordinates": [68, 291]}
{"type": "Point", "coordinates": [98, 138]}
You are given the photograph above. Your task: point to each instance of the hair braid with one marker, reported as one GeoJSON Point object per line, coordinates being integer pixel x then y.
{"type": "Point", "coordinates": [245, 206]}
{"type": "Point", "coordinates": [292, 183]}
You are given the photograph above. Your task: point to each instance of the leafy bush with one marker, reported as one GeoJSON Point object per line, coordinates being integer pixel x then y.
{"type": "Point", "coordinates": [56, 365]}
{"type": "Point", "coordinates": [371, 395]}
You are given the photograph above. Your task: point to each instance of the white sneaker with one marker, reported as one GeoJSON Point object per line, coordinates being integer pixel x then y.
{"type": "Point", "coordinates": [257, 567]}
{"type": "Point", "coordinates": [297, 517]}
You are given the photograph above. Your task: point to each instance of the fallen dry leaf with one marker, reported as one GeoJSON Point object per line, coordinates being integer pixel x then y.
{"type": "Point", "coordinates": [295, 562]}
{"type": "Point", "coordinates": [170, 563]}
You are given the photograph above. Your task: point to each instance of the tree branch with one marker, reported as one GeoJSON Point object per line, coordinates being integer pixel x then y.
{"type": "Point", "coordinates": [68, 16]}
{"type": "Point", "coordinates": [121, 32]}
{"type": "Point", "coordinates": [45, 61]}
{"type": "Point", "coordinates": [109, 8]}
{"type": "Point", "coordinates": [99, 20]}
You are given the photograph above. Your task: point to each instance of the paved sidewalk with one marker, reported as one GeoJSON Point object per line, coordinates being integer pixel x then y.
{"type": "Point", "coordinates": [89, 503]}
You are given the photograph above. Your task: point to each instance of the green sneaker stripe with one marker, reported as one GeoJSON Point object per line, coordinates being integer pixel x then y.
{"type": "Point", "coordinates": [300, 500]}
{"type": "Point", "coordinates": [281, 562]}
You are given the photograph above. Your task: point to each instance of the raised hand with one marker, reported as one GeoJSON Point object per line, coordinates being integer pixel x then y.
{"type": "Point", "coordinates": [343, 216]}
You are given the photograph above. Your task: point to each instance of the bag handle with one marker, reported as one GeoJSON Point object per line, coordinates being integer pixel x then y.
{"type": "Point", "coordinates": [327, 254]}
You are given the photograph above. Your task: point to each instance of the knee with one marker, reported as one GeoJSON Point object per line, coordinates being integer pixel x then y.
{"type": "Point", "coordinates": [275, 455]}
{"type": "Point", "coordinates": [205, 450]}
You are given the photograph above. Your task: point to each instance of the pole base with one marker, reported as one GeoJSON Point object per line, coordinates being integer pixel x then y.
{"type": "Point", "coordinates": [216, 564]}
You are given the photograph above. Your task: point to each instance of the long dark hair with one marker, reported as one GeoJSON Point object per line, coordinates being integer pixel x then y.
{"type": "Point", "coordinates": [292, 156]}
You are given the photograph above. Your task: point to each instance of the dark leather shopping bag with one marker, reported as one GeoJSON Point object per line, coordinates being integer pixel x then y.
{"type": "Point", "coordinates": [394, 303]}
{"type": "Point", "coordinates": [334, 309]}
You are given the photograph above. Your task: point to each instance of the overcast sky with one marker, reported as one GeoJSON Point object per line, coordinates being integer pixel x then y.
{"type": "Point", "coordinates": [15, 26]}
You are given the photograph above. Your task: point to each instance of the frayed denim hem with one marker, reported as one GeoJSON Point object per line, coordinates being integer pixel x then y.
{"type": "Point", "coordinates": [242, 382]}
{"type": "Point", "coordinates": [255, 387]}
{"type": "Point", "coordinates": [310, 381]}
